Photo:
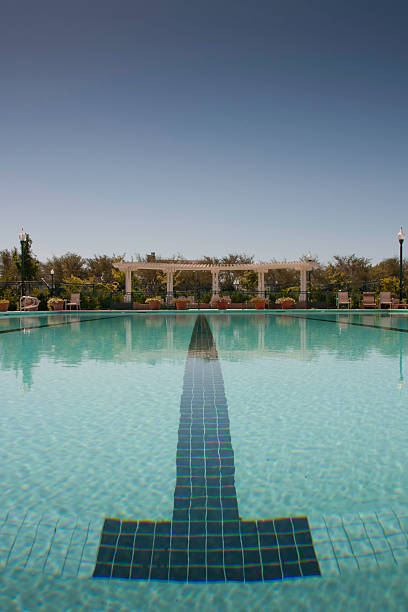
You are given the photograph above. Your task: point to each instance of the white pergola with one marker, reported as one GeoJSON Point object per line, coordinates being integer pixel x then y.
{"type": "Point", "coordinates": [193, 266]}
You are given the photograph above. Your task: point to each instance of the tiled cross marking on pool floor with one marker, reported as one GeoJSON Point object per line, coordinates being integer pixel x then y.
{"type": "Point", "coordinates": [206, 540]}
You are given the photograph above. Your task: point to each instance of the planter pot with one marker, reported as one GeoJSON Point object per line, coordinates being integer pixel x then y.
{"type": "Point", "coordinates": [222, 305]}
{"type": "Point", "coordinates": [182, 305]}
{"type": "Point", "coordinates": [155, 305]}
{"type": "Point", "coordinates": [286, 305]}
{"type": "Point", "coordinates": [4, 306]}
{"type": "Point", "coordinates": [58, 306]}
{"type": "Point", "coordinates": [260, 305]}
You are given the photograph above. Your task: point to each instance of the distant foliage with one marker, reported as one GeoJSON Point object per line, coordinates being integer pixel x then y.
{"type": "Point", "coordinates": [101, 285]}
{"type": "Point", "coordinates": [390, 283]}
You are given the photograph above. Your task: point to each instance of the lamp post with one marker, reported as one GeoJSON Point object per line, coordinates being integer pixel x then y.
{"type": "Point", "coordinates": [23, 238]}
{"type": "Point", "coordinates": [401, 238]}
{"type": "Point", "coordinates": [309, 258]}
{"type": "Point", "coordinates": [52, 282]}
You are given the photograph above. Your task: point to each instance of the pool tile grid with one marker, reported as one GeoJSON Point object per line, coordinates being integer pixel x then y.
{"type": "Point", "coordinates": [360, 541]}
{"type": "Point", "coordinates": [69, 547]}
{"type": "Point", "coordinates": [246, 551]}
{"type": "Point", "coordinates": [349, 322]}
{"type": "Point", "coordinates": [206, 540]}
{"type": "Point", "coordinates": [57, 323]}
{"type": "Point", "coordinates": [61, 547]}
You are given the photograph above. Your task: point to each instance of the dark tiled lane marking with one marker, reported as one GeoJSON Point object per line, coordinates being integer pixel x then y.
{"type": "Point", "coordinates": [311, 318]}
{"type": "Point", "coordinates": [206, 540]}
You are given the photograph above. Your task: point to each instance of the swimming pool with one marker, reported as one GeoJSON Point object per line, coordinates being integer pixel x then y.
{"type": "Point", "coordinates": [156, 418]}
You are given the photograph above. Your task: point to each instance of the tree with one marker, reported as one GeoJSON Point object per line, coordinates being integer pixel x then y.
{"type": "Point", "coordinates": [227, 278]}
{"type": "Point", "coordinates": [8, 268]}
{"type": "Point", "coordinates": [31, 263]}
{"type": "Point", "coordinates": [282, 278]}
{"type": "Point", "coordinates": [385, 269]}
{"type": "Point", "coordinates": [319, 275]}
{"type": "Point", "coordinates": [348, 270]}
{"type": "Point", "coordinates": [100, 267]}
{"type": "Point", "coordinates": [65, 266]}
{"type": "Point", "coordinates": [249, 280]}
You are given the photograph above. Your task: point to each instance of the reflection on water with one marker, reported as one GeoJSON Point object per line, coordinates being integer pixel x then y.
{"type": "Point", "coordinates": [152, 338]}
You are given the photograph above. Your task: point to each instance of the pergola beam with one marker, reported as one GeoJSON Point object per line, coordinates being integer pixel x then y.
{"type": "Point", "coordinates": [197, 267]}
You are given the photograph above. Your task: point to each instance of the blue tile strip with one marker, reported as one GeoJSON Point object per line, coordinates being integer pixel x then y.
{"type": "Point", "coordinates": [206, 540]}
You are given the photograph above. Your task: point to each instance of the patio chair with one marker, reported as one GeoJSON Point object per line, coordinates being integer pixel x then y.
{"type": "Point", "coordinates": [395, 303]}
{"type": "Point", "coordinates": [369, 300]}
{"type": "Point", "coordinates": [74, 300]}
{"type": "Point", "coordinates": [385, 299]}
{"type": "Point", "coordinates": [28, 302]}
{"type": "Point", "coordinates": [343, 299]}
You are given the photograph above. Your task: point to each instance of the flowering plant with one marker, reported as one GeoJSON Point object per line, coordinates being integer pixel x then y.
{"type": "Point", "coordinates": [156, 298]}
{"type": "Point", "coordinates": [54, 300]}
{"type": "Point", "coordinates": [283, 299]}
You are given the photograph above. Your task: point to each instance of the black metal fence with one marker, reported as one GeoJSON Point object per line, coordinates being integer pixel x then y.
{"type": "Point", "coordinates": [99, 296]}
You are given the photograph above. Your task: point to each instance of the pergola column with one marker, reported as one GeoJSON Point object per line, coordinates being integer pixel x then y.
{"type": "Point", "coordinates": [261, 333]}
{"type": "Point", "coordinates": [170, 333]}
{"type": "Point", "coordinates": [302, 295]}
{"type": "Point", "coordinates": [303, 336]}
{"type": "Point", "coordinates": [170, 280]}
{"type": "Point", "coordinates": [128, 334]}
{"type": "Point", "coordinates": [261, 282]}
{"type": "Point", "coordinates": [215, 283]}
{"type": "Point", "coordinates": [128, 285]}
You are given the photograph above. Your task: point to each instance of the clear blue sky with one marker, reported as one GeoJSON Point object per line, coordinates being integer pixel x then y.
{"type": "Point", "coordinates": [204, 126]}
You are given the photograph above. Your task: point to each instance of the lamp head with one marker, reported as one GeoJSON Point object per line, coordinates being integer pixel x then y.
{"type": "Point", "coordinates": [401, 236]}
{"type": "Point", "coordinates": [52, 271]}
{"type": "Point", "coordinates": [22, 235]}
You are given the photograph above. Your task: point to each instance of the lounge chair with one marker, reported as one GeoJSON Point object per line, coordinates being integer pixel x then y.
{"type": "Point", "coordinates": [395, 303]}
{"type": "Point", "coordinates": [385, 299]}
{"type": "Point", "coordinates": [343, 299]}
{"type": "Point", "coordinates": [28, 302]}
{"type": "Point", "coordinates": [74, 300]}
{"type": "Point", "coordinates": [369, 300]}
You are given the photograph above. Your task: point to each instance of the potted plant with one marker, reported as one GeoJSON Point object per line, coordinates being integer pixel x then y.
{"type": "Point", "coordinates": [181, 303]}
{"type": "Point", "coordinates": [154, 302]}
{"type": "Point", "coordinates": [55, 303]}
{"type": "Point", "coordinates": [222, 303]}
{"type": "Point", "coordinates": [259, 302]}
{"type": "Point", "coordinates": [285, 301]}
{"type": "Point", "coordinates": [4, 304]}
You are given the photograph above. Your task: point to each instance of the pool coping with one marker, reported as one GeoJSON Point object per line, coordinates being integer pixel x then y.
{"type": "Point", "coordinates": [248, 311]}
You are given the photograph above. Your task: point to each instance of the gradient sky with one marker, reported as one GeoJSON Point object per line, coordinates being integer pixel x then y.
{"type": "Point", "coordinates": [204, 127]}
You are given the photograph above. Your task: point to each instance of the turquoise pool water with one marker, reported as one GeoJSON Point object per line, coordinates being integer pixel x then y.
{"type": "Point", "coordinates": [89, 416]}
